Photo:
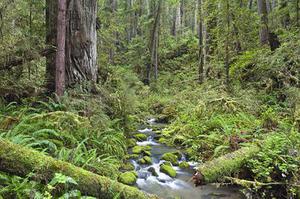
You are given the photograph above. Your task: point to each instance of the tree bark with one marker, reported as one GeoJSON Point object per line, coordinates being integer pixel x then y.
{"type": "Point", "coordinates": [264, 29]}
{"type": "Point", "coordinates": [60, 53]}
{"type": "Point", "coordinates": [200, 32]}
{"type": "Point", "coordinates": [81, 40]}
{"type": "Point", "coordinates": [21, 161]}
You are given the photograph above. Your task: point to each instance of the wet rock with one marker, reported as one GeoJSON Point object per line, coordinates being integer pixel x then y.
{"type": "Point", "coordinates": [128, 178]}
{"type": "Point", "coordinates": [152, 171]}
{"type": "Point", "coordinates": [169, 170]}
{"type": "Point", "coordinates": [140, 137]}
{"type": "Point", "coordinates": [184, 165]}
{"type": "Point", "coordinates": [145, 160]}
{"type": "Point", "coordinates": [140, 149]}
{"type": "Point", "coordinates": [171, 158]}
{"type": "Point", "coordinates": [132, 156]}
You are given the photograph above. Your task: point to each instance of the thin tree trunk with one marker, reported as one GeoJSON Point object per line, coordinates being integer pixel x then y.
{"type": "Point", "coordinates": [201, 55]}
{"type": "Point", "coordinates": [264, 29]}
{"type": "Point", "coordinates": [227, 43]}
{"type": "Point", "coordinates": [297, 13]}
{"type": "Point", "coordinates": [155, 39]}
{"type": "Point", "coordinates": [60, 53]}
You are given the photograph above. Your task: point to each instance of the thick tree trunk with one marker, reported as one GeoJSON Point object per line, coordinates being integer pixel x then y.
{"type": "Point", "coordinates": [21, 161]}
{"type": "Point", "coordinates": [264, 29]}
{"type": "Point", "coordinates": [60, 53]}
{"type": "Point", "coordinates": [81, 41]}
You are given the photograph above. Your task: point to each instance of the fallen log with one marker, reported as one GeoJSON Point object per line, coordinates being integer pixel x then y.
{"type": "Point", "coordinates": [20, 161]}
{"type": "Point", "coordinates": [226, 165]}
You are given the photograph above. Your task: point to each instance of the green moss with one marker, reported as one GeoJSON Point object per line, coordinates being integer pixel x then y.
{"type": "Point", "coordinates": [140, 149]}
{"type": "Point", "coordinates": [167, 169]}
{"type": "Point", "coordinates": [131, 143]}
{"type": "Point", "coordinates": [140, 137]}
{"type": "Point", "coordinates": [145, 160]}
{"type": "Point", "coordinates": [128, 178]}
{"type": "Point", "coordinates": [162, 140]}
{"type": "Point", "coordinates": [147, 153]}
{"type": "Point", "coordinates": [184, 165]}
{"type": "Point", "coordinates": [171, 158]}
{"type": "Point", "coordinates": [127, 166]}
{"type": "Point", "coordinates": [132, 156]}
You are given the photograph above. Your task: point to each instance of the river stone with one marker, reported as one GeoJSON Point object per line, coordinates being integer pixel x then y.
{"type": "Point", "coordinates": [128, 178]}
{"type": "Point", "coordinates": [152, 171]}
{"type": "Point", "coordinates": [145, 160]}
{"type": "Point", "coordinates": [171, 158]}
{"type": "Point", "coordinates": [167, 169]}
{"type": "Point", "coordinates": [140, 149]}
{"type": "Point", "coordinates": [140, 137]}
{"type": "Point", "coordinates": [184, 165]}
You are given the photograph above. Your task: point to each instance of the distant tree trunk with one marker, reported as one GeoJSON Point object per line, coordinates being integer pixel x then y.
{"type": "Point", "coordinates": [81, 40]}
{"type": "Point", "coordinates": [286, 18]}
{"type": "Point", "coordinates": [227, 43]}
{"type": "Point", "coordinates": [176, 21]}
{"type": "Point", "coordinates": [113, 8]}
{"type": "Point", "coordinates": [195, 24]}
{"type": "Point", "coordinates": [60, 54]}
{"type": "Point", "coordinates": [154, 40]}
{"type": "Point", "coordinates": [250, 4]}
{"type": "Point", "coordinates": [264, 29]}
{"type": "Point", "coordinates": [200, 32]}
{"type": "Point", "coordinates": [297, 13]}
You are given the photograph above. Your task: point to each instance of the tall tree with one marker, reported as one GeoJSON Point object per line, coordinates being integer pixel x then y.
{"type": "Point", "coordinates": [264, 29]}
{"type": "Point", "coordinates": [154, 39]}
{"type": "Point", "coordinates": [81, 40]}
{"type": "Point", "coordinates": [200, 32]}
{"type": "Point", "coordinates": [60, 54]}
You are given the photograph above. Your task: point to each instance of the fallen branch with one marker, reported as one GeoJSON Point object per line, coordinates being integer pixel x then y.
{"type": "Point", "coordinates": [19, 160]}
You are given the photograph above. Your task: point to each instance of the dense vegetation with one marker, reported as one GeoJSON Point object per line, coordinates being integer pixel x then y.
{"type": "Point", "coordinates": [223, 74]}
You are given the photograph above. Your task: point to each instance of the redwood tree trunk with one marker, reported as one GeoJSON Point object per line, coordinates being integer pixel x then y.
{"type": "Point", "coordinates": [60, 54]}
{"type": "Point", "coordinates": [81, 40]}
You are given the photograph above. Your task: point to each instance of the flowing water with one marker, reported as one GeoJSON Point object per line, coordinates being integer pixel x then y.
{"type": "Point", "coordinates": [181, 186]}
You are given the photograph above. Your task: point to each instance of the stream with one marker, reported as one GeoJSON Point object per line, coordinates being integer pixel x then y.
{"type": "Point", "coordinates": [180, 187]}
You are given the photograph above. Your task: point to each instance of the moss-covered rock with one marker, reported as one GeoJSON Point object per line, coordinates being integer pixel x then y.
{"type": "Point", "coordinates": [171, 158]}
{"type": "Point", "coordinates": [147, 153]}
{"type": "Point", "coordinates": [131, 143]}
{"type": "Point", "coordinates": [169, 170]}
{"type": "Point", "coordinates": [132, 156]}
{"type": "Point", "coordinates": [184, 165]}
{"type": "Point", "coordinates": [140, 149]}
{"type": "Point", "coordinates": [127, 166]}
{"type": "Point", "coordinates": [128, 178]}
{"type": "Point", "coordinates": [140, 137]}
{"type": "Point", "coordinates": [145, 160]}
{"type": "Point", "coordinates": [178, 154]}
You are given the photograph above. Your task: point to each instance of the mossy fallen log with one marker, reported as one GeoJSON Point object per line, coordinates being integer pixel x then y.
{"type": "Point", "coordinates": [21, 161]}
{"type": "Point", "coordinates": [225, 165]}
